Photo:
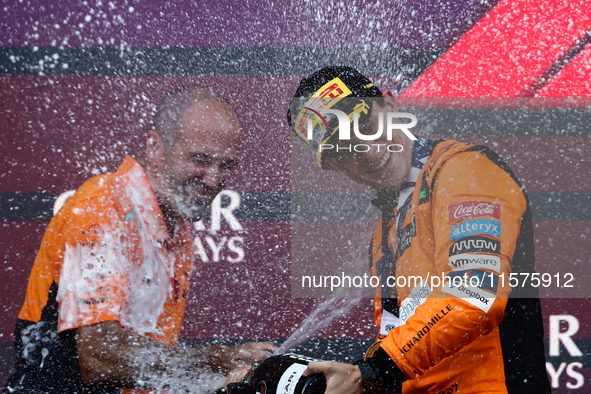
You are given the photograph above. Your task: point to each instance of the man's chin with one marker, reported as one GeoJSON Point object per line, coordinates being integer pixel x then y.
{"type": "Point", "coordinates": [190, 209]}
{"type": "Point", "coordinates": [193, 214]}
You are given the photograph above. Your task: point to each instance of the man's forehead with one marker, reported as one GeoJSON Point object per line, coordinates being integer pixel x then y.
{"type": "Point", "coordinates": [205, 143]}
{"type": "Point", "coordinates": [213, 143]}
{"type": "Point", "coordinates": [208, 121]}
{"type": "Point", "coordinates": [209, 111]}
{"type": "Point", "coordinates": [212, 153]}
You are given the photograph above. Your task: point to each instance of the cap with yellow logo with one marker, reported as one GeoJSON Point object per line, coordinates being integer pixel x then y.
{"type": "Point", "coordinates": [338, 87]}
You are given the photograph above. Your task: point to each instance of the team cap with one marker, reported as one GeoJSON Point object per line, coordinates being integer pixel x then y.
{"type": "Point", "coordinates": [337, 87]}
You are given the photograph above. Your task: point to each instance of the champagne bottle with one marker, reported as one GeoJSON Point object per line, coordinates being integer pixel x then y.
{"type": "Point", "coordinates": [282, 374]}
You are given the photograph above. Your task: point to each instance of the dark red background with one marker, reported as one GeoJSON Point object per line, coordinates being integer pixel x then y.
{"type": "Point", "coordinates": [61, 125]}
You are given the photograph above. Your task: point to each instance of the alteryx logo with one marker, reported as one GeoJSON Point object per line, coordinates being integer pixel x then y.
{"type": "Point", "coordinates": [475, 226]}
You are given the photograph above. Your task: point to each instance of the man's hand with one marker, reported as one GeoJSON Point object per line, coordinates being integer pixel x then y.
{"type": "Point", "coordinates": [110, 354]}
{"type": "Point", "coordinates": [237, 375]}
{"type": "Point", "coordinates": [340, 378]}
{"type": "Point", "coordinates": [253, 352]}
{"type": "Point", "coordinates": [229, 357]}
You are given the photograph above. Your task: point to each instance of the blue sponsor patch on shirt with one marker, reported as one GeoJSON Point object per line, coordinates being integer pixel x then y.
{"type": "Point", "coordinates": [131, 214]}
{"type": "Point", "coordinates": [475, 226]}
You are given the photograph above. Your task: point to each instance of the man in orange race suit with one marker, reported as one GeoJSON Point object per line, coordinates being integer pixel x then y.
{"type": "Point", "coordinates": [108, 290]}
{"type": "Point", "coordinates": [450, 211]}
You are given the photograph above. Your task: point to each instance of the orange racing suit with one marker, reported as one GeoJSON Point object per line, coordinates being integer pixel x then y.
{"type": "Point", "coordinates": [106, 256]}
{"type": "Point", "coordinates": [464, 215]}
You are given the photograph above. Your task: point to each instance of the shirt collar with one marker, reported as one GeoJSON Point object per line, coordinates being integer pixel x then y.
{"type": "Point", "coordinates": [141, 198]}
{"type": "Point", "coordinates": [387, 200]}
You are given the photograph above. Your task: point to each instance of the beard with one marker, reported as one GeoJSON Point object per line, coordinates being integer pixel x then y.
{"type": "Point", "coordinates": [191, 199]}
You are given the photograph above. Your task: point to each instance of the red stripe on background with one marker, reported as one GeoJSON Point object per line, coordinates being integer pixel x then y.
{"type": "Point", "coordinates": [572, 80]}
{"type": "Point", "coordinates": [506, 53]}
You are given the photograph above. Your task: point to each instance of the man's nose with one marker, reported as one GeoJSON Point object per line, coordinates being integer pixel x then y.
{"type": "Point", "coordinates": [213, 176]}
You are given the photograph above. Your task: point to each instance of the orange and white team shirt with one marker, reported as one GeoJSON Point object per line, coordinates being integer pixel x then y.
{"type": "Point", "coordinates": [464, 216]}
{"type": "Point", "coordinates": [107, 256]}
{"type": "Point", "coordinates": [109, 251]}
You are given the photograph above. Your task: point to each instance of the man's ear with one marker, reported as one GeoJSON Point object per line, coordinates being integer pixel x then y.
{"type": "Point", "coordinates": [387, 93]}
{"type": "Point", "coordinates": [390, 99]}
{"type": "Point", "coordinates": [155, 151]}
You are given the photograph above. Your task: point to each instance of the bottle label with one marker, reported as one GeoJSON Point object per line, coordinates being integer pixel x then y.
{"type": "Point", "coordinates": [301, 357]}
{"type": "Point", "coordinates": [290, 378]}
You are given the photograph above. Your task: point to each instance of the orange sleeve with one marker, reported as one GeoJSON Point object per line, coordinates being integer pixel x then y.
{"type": "Point", "coordinates": [94, 278]}
{"type": "Point", "coordinates": [475, 203]}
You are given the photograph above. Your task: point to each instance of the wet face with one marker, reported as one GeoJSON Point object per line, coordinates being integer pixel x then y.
{"type": "Point", "coordinates": [198, 167]}
{"type": "Point", "coordinates": [378, 168]}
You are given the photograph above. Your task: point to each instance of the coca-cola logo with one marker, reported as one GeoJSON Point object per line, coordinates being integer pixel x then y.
{"type": "Point", "coordinates": [480, 209]}
{"type": "Point", "coordinates": [473, 209]}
